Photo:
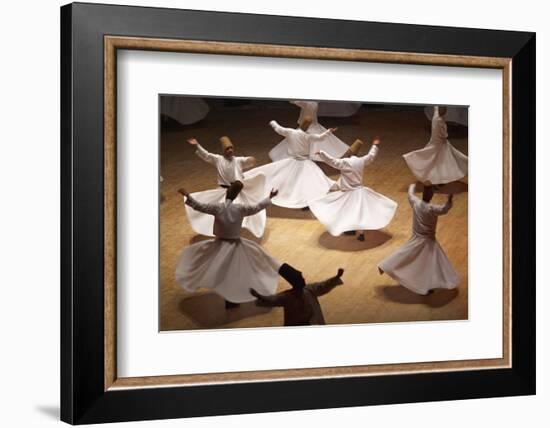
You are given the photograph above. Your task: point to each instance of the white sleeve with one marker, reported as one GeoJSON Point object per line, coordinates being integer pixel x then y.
{"type": "Point", "coordinates": [284, 132]}
{"type": "Point", "coordinates": [369, 157]}
{"type": "Point", "coordinates": [212, 209]}
{"type": "Point", "coordinates": [247, 210]}
{"type": "Point", "coordinates": [441, 209]}
{"type": "Point", "coordinates": [333, 162]}
{"type": "Point", "coordinates": [205, 155]}
{"type": "Point", "coordinates": [411, 196]}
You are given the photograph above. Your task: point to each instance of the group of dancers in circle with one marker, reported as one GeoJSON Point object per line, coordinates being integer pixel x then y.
{"type": "Point", "coordinates": [240, 270]}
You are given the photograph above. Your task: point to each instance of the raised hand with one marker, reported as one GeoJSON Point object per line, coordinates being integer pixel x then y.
{"type": "Point", "coordinates": [340, 273]}
{"type": "Point", "coordinates": [333, 130]}
{"type": "Point", "coordinates": [183, 192]}
{"type": "Point", "coordinates": [192, 141]}
{"type": "Point", "coordinates": [273, 193]}
{"type": "Point", "coordinates": [376, 141]}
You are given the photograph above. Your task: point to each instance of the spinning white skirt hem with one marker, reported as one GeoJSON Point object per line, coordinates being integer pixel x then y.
{"type": "Point", "coordinates": [439, 163]}
{"type": "Point", "coordinates": [420, 265]}
{"type": "Point", "coordinates": [357, 209]}
{"type": "Point", "coordinates": [229, 268]}
{"type": "Point", "coordinates": [298, 181]}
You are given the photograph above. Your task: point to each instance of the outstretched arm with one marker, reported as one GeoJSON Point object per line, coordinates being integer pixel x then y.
{"type": "Point", "coordinates": [201, 152]}
{"type": "Point", "coordinates": [443, 209]}
{"type": "Point", "coordinates": [281, 130]}
{"type": "Point", "coordinates": [248, 210]}
{"type": "Point", "coordinates": [247, 161]}
{"type": "Point", "coordinates": [317, 137]}
{"type": "Point", "coordinates": [369, 157]}
{"type": "Point", "coordinates": [411, 196]}
{"type": "Point", "coordinates": [212, 209]}
{"type": "Point", "coordinates": [275, 300]}
{"type": "Point", "coordinates": [321, 288]}
{"type": "Point", "coordinates": [329, 160]}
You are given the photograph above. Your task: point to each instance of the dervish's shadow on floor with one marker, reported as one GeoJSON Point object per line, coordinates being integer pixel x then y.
{"type": "Point", "coordinates": [208, 310]}
{"type": "Point", "coordinates": [399, 294]}
{"type": "Point", "coordinates": [292, 213]}
{"type": "Point", "coordinates": [373, 238]}
{"type": "Point", "coordinates": [454, 187]}
{"type": "Point", "coordinates": [244, 233]}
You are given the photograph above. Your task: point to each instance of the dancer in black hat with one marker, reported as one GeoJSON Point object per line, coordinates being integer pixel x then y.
{"type": "Point", "coordinates": [301, 306]}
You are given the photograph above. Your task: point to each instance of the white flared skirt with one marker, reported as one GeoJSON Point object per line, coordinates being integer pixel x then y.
{"type": "Point", "coordinates": [298, 181]}
{"type": "Point", "coordinates": [358, 209]}
{"type": "Point", "coordinates": [254, 190]}
{"type": "Point", "coordinates": [329, 144]}
{"type": "Point", "coordinates": [229, 268]}
{"type": "Point", "coordinates": [420, 265]}
{"type": "Point", "coordinates": [438, 163]}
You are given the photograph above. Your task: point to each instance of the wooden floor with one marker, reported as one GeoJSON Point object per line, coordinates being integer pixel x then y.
{"type": "Point", "coordinates": [296, 237]}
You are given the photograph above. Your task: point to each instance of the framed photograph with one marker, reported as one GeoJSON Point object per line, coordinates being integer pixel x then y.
{"type": "Point", "coordinates": [267, 213]}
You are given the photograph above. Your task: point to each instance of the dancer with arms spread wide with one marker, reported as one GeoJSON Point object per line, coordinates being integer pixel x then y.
{"type": "Point", "coordinates": [421, 264]}
{"type": "Point", "coordinates": [299, 179]}
{"type": "Point", "coordinates": [351, 206]}
{"type": "Point", "coordinates": [330, 143]}
{"type": "Point", "coordinates": [301, 304]}
{"type": "Point", "coordinates": [229, 168]}
{"type": "Point", "coordinates": [228, 264]}
{"type": "Point", "coordinates": [439, 162]}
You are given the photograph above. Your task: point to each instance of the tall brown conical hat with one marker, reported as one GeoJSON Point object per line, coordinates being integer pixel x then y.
{"type": "Point", "coordinates": [353, 149]}
{"type": "Point", "coordinates": [226, 142]}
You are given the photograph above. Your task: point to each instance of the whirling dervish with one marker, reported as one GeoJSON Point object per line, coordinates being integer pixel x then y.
{"type": "Point", "coordinates": [229, 265]}
{"type": "Point", "coordinates": [352, 206]}
{"type": "Point", "coordinates": [299, 179]}
{"type": "Point", "coordinates": [329, 143]}
{"type": "Point", "coordinates": [300, 304]}
{"type": "Point", "coordinates": [439, 162]}
{"type": "Point", "coordinates": [421, 264]}
{"type": "Point", "coordinates": [229, 168]}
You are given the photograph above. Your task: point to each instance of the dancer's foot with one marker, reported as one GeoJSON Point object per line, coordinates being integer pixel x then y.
{"type": "Point", "coordinates": [349, 232]}
{"type": "Point", "coordinates": [361, 237]}
{"type": "Point", "coordinates": [305, 209]}
{"type": "Point", "coordinates": [430, 292]}
{"type": "Point", "coordinates": [231, 305]}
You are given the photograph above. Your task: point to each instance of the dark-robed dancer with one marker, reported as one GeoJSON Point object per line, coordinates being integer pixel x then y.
{"type": "Point", "coordinates": [301, 304]}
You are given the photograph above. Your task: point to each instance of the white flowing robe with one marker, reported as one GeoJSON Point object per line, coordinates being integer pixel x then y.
{"type": "Point", "coordinates": [229, 265]}
{"type": "Point", "coordinates": [439, 162]}
{"type": "Point", "coordinates": [228, 171]}
{"type": "Point", "coordinates": [329, 143]}
{"type": "Point", "coordinates": [352, 206]}
{"type": "Point", "coordinates": [421, 264]}
{"type": "Point", "coordinates": [337, 109]}
{"type": "Point", "coordinates": [298, 179]}
{"type": "Point", "coordinates": [185, 110]}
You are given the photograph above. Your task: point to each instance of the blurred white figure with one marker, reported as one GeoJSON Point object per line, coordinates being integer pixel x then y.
{"type": "Point", "coordinates": [185, 110]}
{"type": "Point", "coordinates": [330, 143]}
{"type": "Point", "coordinates": [337, 109]}
{"type": "Point", "coordinates": [439, 162]}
